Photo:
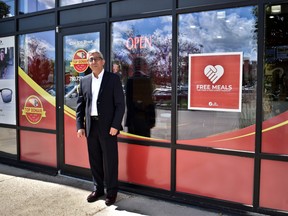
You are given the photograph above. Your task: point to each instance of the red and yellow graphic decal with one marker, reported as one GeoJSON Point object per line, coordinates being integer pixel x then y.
{"type": "Point", "coordinates": [37, 106]}
{"type": "Point", "coordinates": [79, 61]}
{"type": "Point", "coordinates": [33, 110]}
{"type": "Point", "coordinates": [36, 109]}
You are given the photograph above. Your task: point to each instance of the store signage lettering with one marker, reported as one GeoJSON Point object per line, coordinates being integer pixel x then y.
{"type": "Point", "coordinates": [141, 42]}
{"type": "Point", "coordinates": [214, 73]}
{"type": "Point", "coordinates": [74, 78]}
{"type": "Point", "coordinates": [81, 43]}
{"type": "Point", "coordinates": [223, 88]}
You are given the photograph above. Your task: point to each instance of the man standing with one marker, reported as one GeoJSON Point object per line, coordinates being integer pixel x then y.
{"type": "Point", "coordinates": [99, 113]}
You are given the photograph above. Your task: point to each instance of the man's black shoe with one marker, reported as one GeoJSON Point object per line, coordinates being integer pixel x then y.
{"type": "Point", "coordinates": [110, 199]}
{"type": "Point", "coordinates": [94, 196]}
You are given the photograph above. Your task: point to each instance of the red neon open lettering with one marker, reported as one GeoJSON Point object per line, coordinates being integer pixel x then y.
{"type": "Point", "coordinates": [141, 42]}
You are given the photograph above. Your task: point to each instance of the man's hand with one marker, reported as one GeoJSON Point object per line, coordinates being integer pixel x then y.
{"type": "Point", "coordinates": [113, 131]}
{"type": "Point", "coordinates": [81, 133]}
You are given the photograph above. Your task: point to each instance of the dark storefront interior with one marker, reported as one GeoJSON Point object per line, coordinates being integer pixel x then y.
{"type": "Point", "coordinates": [219, 143]}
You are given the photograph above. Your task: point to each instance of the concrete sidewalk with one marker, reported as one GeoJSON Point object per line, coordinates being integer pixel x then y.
{"type": "Point", "coordinates": [25, 193]}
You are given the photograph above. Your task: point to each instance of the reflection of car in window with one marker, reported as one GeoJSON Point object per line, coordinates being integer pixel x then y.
{"type": "Point", "coordinates": [163, 96]}
{"type": "Point", "coordinates": [51, 91]}
{"type": "Point", "coordinates": [71, 95]}
{"type": "Point", "coordinates": [71, 91]}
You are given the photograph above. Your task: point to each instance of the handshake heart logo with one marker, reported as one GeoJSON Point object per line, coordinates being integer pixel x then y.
{"type": "Point", "coordinates": [214, 73]}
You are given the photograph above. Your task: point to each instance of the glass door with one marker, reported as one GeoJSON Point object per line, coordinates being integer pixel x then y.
{"type": "Point", "coordinates": [273, 174]}
{"type": "Point", "coordinates": [75, 44]}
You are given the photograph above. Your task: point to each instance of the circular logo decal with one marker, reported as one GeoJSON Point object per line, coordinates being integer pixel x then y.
{"type": "Point", "coordinates": [33, 110]}
{"type": "Point", "coordinates": [79, 61]}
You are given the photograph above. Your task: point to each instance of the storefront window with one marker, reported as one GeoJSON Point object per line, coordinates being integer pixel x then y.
{"type": "Point", "coordinates": [275, 97]}
{"type": "Point", "coordinates": [6, 8]}
{"type": "Point", "coordinates": [71, 2]}
{"type": "Point", "coordinates": [29, 6]}
{"type": "Point", "coordinates": [8, 142]}
{"type": "Point", "coordinates": [217, 76]}
{"type": "Point", "coordinates": [37, 80]}
{"type": "Point", "coordinates": [141, 56]}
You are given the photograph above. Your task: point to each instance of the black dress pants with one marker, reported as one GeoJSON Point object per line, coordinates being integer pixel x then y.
{"type": "Point", "coordinates": [103, 158]}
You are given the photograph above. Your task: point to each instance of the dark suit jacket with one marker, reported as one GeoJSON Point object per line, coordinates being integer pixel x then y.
{"type": "Point", "coordinates": [110, 103]}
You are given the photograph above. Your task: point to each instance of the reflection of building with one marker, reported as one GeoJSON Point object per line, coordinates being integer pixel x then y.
{"type": "Point", "coordinates": [249, 71]}
{"type": "Point", "coordinates": [246, 71]}
{"type": "Point", "coordinates": [228, 159]}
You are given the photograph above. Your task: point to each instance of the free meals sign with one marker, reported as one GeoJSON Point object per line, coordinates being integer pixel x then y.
{"type": "Point", "coordinates": [215, 81]}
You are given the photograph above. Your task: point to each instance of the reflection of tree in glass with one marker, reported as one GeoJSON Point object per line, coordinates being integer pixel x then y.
{"type": "Point", "coordinates": [40, 67]}
{"type": "Point", "coordinates": [186, 47]}
{"type": "Point", "coordinates": [4, 10]}
{"type": "Point", "coordinates": [255, 14]}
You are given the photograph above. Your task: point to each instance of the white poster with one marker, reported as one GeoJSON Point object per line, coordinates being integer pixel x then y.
{"type": "Point", "coordinates": [7, 81]}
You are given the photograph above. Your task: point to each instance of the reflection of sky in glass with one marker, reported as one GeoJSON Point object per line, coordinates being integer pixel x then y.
{"type": "Point", "coordinates": [27, 6]}
{"type": "Point", "coordinates": [80, 41]}
{"type": "Point", "coordinates": [146, 26]}
{"type": "Point", "coordinates": [47, 4]}
{"type": "Point", "coordinates": [71, 2]}
{"type": "Point", "coordinates": [45, 40]}
{"type": "Point", "coordinates": [228, 30]}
